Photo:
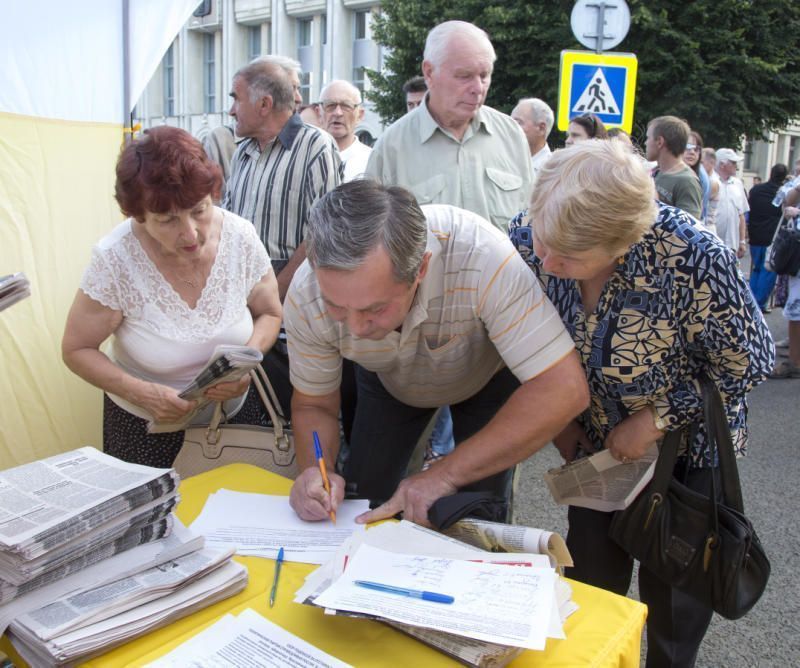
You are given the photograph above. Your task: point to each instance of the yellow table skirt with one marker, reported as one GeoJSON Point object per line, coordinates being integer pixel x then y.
{"type": "Point", "coordinates": [604, 632]}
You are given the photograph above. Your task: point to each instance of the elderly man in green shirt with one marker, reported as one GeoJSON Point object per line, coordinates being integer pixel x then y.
{"type": "Point", "coordinates": [453, 149]}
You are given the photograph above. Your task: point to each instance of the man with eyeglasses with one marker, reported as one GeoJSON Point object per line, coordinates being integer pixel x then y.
{"type": "Point", "coordinates": [340, 112]}
{"type": "Point", "coordinates": [676, 182]}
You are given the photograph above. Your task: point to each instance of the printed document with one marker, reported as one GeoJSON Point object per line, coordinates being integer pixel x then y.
{"type": "Point", "coordinates": [497, 603]}
{"type": "Point", "coordinates": [246, 641]}
{"type": "Point", "coordinates": [601, 482]}
{"type": "Point", "coordinates": [258, 525]}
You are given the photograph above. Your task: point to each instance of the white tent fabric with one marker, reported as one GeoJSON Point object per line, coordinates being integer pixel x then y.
{"type": "Point", "coordinates": [64, 59]}
{"type": "Point", "coordinates": [61, 115]}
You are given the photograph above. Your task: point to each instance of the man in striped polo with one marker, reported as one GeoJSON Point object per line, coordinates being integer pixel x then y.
{"type": "Point", "coordinates": [435, 307]}
{"type": "Point", "coordinates": [280, 168]}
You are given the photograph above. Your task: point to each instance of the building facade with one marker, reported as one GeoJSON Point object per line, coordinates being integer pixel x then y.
{"type": "Point", "coordinates": [332, 39]}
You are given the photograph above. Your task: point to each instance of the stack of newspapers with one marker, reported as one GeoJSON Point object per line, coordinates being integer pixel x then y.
{"type": "Point", "coordinates": [471, 601]}
{"type": "Point", "coordinates": [91, 556]}
{"type": "Point", "coordinates": [13, 288]}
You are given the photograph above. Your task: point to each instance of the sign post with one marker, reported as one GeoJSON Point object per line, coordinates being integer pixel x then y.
{"type": "Point", "coordinates": [603, 84]}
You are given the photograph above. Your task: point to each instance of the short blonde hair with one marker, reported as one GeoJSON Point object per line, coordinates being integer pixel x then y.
{"type": "Point", "coordinates": [593, 194]}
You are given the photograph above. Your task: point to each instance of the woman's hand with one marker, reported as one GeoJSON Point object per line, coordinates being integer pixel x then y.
{"type": "Point", "coordinates": [571, 439]}
{"type": "Point", "coordinates": [631, 438]}
{"type": "Point", "coordinates": [163, 403]}
{"type": "Point", "coordinates": [791, 211]}
{"type": "Point", "coordinates": [226, 391]}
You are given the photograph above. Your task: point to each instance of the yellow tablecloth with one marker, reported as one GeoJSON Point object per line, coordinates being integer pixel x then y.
{"type": "Point", "coordinates": [605, 631]}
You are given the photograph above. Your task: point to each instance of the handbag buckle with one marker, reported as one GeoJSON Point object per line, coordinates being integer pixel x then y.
{"type": "Point", "coordinates": [212, 436]}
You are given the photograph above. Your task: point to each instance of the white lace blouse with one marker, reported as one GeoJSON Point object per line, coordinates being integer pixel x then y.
{"type": "Point", "coordinates": [161, 339]}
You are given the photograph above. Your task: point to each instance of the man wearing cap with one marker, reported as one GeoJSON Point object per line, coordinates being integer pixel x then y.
{"type": "Point", "coordinates": [732, 205]}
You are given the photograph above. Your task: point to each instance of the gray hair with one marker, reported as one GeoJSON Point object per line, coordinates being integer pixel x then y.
{"type": "Point", "coordinates": [351, 89]}
{"type": "Point", "coordinates": [540, 112]}
{"type": "Point", "coordinates": [269, 75]}
{"type": "Point", "coordinates": [352, 220]}
{"type": "Point", "coordinates": [439, 39]}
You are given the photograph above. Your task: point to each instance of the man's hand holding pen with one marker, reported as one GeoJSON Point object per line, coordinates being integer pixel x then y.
{"type": "Point", "coordinates": [310, 500]}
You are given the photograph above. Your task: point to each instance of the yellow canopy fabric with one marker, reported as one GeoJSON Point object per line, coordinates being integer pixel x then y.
{"type": "Point", "coordinates": [56, 201]}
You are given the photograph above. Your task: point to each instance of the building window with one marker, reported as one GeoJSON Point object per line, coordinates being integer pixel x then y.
{"type": "Point", "coordinates": [360, 78]}
{"type": "Point", "coordinates": [253, 42]}
{"type": "Point", "coordinates": [209, 78]}
{"type": "Point", "coordinates": [304, 32]}
{"type": "Point", "coordinates": [360, 31]}
{"type": "Point", "coordinates": [169, 81]}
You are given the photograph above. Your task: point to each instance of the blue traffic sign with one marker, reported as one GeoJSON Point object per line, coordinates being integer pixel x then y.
{"type": "Point", "coordinates": [600, 84]}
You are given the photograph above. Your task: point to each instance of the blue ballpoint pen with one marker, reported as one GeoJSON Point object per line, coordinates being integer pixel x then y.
{"type": "Point", "coordinates": [402, 591]}
{"type": "Point", "coordinates": [274, 589]}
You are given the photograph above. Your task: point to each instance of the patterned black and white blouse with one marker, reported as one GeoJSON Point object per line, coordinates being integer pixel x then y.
{"type": "Point", "coordinates": [676, 305]}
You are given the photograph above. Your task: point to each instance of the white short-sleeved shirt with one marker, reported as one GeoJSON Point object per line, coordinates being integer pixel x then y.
{"type": "Point", "coordinates": [731, 204]}
{"type": "Point", "coordinates": [354, 160]}
{"type": "Point", "coordinates": [477, 309]}
{"type": "Point", "coordinates": [161, 339]}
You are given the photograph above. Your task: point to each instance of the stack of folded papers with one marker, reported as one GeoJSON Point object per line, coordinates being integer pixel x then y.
{"type": "Point", "coordinates": [480, 607]}
{"type": "Point", "coordinates": [13, 288]}
{"type": "Point", "coordinates": [91, 556]}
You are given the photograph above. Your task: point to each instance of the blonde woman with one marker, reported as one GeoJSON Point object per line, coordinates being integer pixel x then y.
{"type": "Point", "coordinates": [650, 301]}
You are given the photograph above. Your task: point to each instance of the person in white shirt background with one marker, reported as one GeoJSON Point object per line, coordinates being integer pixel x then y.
{"type": "Point", "coordinates": [340, 112]}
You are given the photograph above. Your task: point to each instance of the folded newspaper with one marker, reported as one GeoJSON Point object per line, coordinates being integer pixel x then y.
{"type": "Point", "coordinates": [13, 288]}
{"type": "Point", "coordinates": [600, 482]}
{"type": "Point", "coordinates": [227, 364]}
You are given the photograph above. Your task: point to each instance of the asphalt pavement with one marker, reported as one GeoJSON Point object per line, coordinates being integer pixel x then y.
{"type": "Point", "coordinates": [769, 635]}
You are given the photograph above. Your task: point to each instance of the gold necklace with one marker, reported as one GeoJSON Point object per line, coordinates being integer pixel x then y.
{"type": "Point", "coordinates": [191, 283]}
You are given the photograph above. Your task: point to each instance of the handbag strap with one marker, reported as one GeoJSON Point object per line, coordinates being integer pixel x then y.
{"type": "Point", "coordinates": [278, 421]}
{"type": "Point", "coordinates": [719, 438]}
{"type": "Point", "coordinates": [272, 394]}
{"type": "Point", "coordinates": [260, 380]}
{"type": "Point", "coordinates": [665, 464]}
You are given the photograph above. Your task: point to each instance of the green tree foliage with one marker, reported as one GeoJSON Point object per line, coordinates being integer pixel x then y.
{"type": "Point", "coordinates": [730, 67]}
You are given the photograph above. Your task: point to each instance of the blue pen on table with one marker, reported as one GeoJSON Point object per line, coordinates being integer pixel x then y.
{"type": "Point", "coordinates": [274, 589]}
{"type": "Point", "coordinates": [323, 471]}
{"type": "Point", "coordinates": [402, 591]}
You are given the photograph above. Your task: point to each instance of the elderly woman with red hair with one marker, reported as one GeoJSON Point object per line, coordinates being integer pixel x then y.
{"type": "Point", "coordinates": [177, 278]}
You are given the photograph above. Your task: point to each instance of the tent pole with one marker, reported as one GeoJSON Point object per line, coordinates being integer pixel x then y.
{"type": "Point", "coordinates": [126, 74]}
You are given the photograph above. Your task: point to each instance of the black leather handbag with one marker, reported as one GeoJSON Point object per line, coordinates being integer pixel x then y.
{"type": "Point", "coordinates": [702, 545]}
{"type": "Point", "coordinates": [784, 256]}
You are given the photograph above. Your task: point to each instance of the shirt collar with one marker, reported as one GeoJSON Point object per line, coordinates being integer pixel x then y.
{"type": "Point", "coordinates": [427, 289]}
{"type": "Point", "coordinates": [290, 131]}
{"type": "Point", "coordinates": [427, 125]}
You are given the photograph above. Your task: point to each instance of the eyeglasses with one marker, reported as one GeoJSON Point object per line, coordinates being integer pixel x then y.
{"type": "Point", "coordinates": [691, 147]}
{"type": "Point", "coordinates": [330, 105]}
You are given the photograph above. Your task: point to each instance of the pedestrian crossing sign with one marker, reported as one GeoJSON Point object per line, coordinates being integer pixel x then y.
{"type": "Point", "coordinates": [603, 84]}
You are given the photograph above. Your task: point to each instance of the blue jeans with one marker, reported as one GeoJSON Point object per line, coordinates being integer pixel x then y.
{"type": "Point", "coordinates": [762, 281]}
{"type": "Point", "coordinates": [442, 441]}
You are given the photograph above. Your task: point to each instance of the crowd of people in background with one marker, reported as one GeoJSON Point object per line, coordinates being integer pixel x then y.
{"type": "Point", "coordinates": [459, 270]}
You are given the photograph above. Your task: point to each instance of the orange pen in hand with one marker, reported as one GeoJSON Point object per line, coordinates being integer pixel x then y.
{"type": "Point", "coordinates": [323, 471]}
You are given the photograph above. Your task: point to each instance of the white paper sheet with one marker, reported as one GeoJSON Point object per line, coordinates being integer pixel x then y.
{"type": "Point", "coordinates": [246, 641]}
{"type": "Point", "coordinates": [497, 603]}
{"type": "Point", "coordinates": [260, 524]}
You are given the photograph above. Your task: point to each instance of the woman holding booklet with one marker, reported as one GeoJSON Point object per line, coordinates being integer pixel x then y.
{"type": "Point", "coordinates": [651, 301]}
{"type": "Point", "coordinates": [169, 284]}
